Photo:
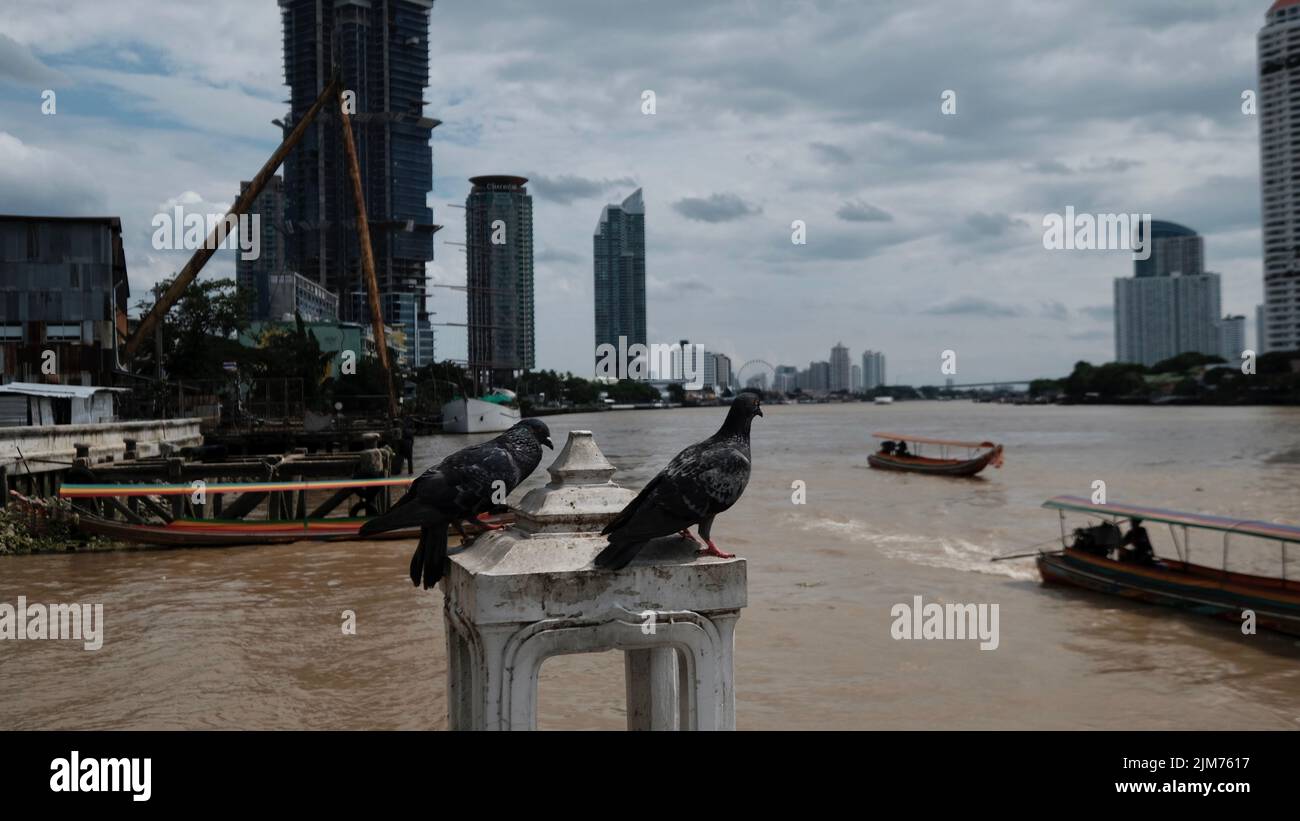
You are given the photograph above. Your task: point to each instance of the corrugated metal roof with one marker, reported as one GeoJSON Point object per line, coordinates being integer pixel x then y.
{"type": "Point", "coordinates": [55, 391]}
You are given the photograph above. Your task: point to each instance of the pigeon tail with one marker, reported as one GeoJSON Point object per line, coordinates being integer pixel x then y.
{"type": "Point", "coordinates": [429, 562]}
{"type": "Point", "coordinates": [618, 554]}
{"type": "Point", "coordinates": [406, 513]}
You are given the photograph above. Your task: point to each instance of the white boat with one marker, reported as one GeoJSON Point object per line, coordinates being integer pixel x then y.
{"type": "Point", "coordinates": [465, 415]}
{"type": "Point", "coordinates": [884, 400]}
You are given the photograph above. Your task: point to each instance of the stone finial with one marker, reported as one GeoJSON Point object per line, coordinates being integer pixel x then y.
{"type": "Point", "coordinates": [581, 496]}
{"type": "Point", "coordinates": [580, 462]}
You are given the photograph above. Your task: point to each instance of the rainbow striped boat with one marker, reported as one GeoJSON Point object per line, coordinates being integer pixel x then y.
{"type": "Point", "coordinates": [200, 515]}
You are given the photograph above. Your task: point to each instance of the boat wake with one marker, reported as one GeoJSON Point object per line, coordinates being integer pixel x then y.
{"type": "Point", "coordinates": [943, 552]}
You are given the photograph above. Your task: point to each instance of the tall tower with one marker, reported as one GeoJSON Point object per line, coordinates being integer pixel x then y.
{"type": "Point", "coordinates": [499, 277]}
{"type": "Point", "coordinates": [619, 254]}
{"type": "Point", "coordinates": [840, 372]}
{"type": "Point", "coordinates": [1279, 148]}
{"type": "Point", "coordinates": [381, 48]}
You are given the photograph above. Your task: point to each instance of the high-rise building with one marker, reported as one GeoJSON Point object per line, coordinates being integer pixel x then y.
{"type": "Point", "coordinates": [839, 364]}
{"type": "Point", "coordinates": [786, 378]}
{"type": "Point", "coordinates": [873, 370]}
{"type": "Point", "coordinates": [717, 371]}
{"type": "Point", "coordinates": [1160, 317]}
{"type": "Point", "coordinates": [855, 378]}
{"type": "Point", "coordinates": [1232, 338]}
{"type": "Point", "coordinates": [619, 261]}
{"type": "Point", "coordinates": [1175, 250]}
{"type": "Point", "coordinates": [401, 311]}
{"type": "Point", "coordinates": [499, 275]}
{"type": "Point", "coordinates": [1173, 307]}
{"type": "Point", "coordinates": [253, 276]}
{"type": "Point", "coordinates": [819, 376]}
{"type": "Point", "coordinates": [1279, 149]}
{"type": "Point", "coordinates": [381, 49]}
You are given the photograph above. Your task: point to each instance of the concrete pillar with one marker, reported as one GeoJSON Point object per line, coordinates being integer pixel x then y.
{"type": "Point", "coordinates": [515, 597]}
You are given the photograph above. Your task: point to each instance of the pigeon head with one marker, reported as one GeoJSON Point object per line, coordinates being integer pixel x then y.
{"type": "Point", "coordinates": [743, 410]}
{"type": "Point", "coordinates": [539, 431]}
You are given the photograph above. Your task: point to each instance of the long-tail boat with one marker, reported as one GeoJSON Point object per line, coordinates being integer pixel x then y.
{"type": "Point", "coordinates": [1094, 559]}
{"type": "Point", "coordinates": [979, 455]}
{"type": "Point", "coordinates": [198, 515]}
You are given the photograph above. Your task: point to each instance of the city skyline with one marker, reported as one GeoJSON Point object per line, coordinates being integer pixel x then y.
{"type": "Point", "coordinates": [922, 227]}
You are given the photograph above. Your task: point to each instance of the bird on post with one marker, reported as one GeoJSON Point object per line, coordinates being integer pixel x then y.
{"type": "Point", "coordinates": [699, 483]}
{"type": "Point", "coordinates": [460, 487]}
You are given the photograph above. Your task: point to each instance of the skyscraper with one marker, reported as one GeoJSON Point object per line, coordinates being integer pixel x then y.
{"type": "Point", "coordinates": [619, 261]}
{"type": "Point", "coordinates": [254, 276]}
{"type": "Point", "coordinates": [1172, 305]}
{"type": "Point", "coordinates": [499, 275]}
{"type": "Point", "coordinates": [873, 370]}
{"type": "Point", "coordinates": [840, 373]}
{"type": "Point", "coordinates": [381, 48]}
{"type": "Point", "coordinates": [1175, 249]}
{"type": "Point", "coordinates": [1279, 149]}
{"type": "Point", "coordinates": [1232, 338]}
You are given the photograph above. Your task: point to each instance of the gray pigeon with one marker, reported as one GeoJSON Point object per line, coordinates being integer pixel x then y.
{"type": "Point", "coordinates": [698, 484]}
{"type": "Point", "coordinates": [458, 488]}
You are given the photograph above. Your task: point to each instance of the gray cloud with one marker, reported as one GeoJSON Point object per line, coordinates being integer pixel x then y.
{"type": "Point", "coordinates": [1054, 310]}
{"type": "Point", "coordinates": [832, 154]}
{"type": "Point", "coordinates": [557, 255]}
{"type": "Point", "coordinates": [973, 306]}
{"type": "Point", "coordinates": [567, 188]}
{"type": "Point", "coordinates": [715, 208]}
{"type": "Point", "coordinates": [859, 211]}
{"type": "Point", "coordinates": [18, 65]}
{"type": "Point", "coordinates": [1099, 313]}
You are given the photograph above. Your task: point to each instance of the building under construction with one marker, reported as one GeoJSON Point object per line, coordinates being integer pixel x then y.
{"type": "Point", "coordinates": [381, 50]}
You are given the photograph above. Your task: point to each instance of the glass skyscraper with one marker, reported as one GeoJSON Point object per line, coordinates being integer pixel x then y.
{"type": "Point", "coordinates": [619, 254]}
{"type": "Point", "coordinates": [499, 276]}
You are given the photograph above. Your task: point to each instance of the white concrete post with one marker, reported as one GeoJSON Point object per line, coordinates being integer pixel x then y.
{"type": "Point", "coordinates": [518, 596]}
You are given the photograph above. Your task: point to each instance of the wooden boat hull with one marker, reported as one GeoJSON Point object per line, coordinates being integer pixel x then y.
{"type": "Point", "coordinates": [934, 467]}
{"type": "Point", "coordinates": [237, 533]}
{"type": "Point", "coordinates": [1205, 590]}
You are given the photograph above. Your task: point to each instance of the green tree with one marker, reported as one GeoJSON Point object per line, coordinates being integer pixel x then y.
{"type": "Point", "coordinates": [198, 332]}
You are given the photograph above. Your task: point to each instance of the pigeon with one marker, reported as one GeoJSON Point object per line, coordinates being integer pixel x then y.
{"type": "Point", "coordinates": [698, 484]}
{"type": "Point", "coordinates": [458, 488]}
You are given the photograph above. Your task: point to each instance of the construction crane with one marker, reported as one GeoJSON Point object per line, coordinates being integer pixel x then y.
{"type": "Point", "coordinates": [332, 91]}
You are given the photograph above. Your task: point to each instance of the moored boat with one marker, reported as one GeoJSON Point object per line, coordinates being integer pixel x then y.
{"type": "Point", "coordinates": [1087, 562]}
{"type": "Point", "coordinates": [495, 412]}
{"type": "Point", "coordinates": [147, 520]}
{"type": "Point", "coordinates": [893, 457]}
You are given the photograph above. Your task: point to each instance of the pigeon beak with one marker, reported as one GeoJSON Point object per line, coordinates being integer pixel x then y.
{"type": "Point", "coordinates": [546, 440]}
{"type": "Point", "coordinates": [758, 411]}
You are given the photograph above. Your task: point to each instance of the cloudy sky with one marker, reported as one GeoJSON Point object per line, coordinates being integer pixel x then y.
{"type": "Point", "coordinates": [924, 229]}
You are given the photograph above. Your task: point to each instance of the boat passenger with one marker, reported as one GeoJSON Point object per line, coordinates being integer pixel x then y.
{"type": "Point", "coordinates": [1136, 544]}
{"type": "Point", "coordinates": [901, 450]}
{"type": "Point", "coordinates": [887, 447]}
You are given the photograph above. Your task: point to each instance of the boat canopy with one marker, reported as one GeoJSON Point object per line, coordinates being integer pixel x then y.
{"type": "Point", "coordinates": [1248, 527]}
{"type": "Point", "coordinates": [75, 491]}
{"type": "Point", "coordinates": [925, 441]}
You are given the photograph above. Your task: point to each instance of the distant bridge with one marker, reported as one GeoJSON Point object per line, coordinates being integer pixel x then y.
{"type": "Point", "coordinates": [999, 384]}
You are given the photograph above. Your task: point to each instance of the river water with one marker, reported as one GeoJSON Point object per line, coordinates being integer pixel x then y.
{"type": "Point", "coordinates": [252, 638]}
